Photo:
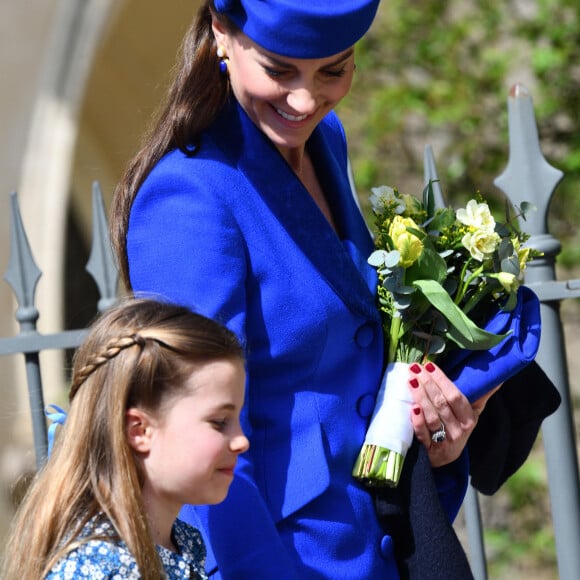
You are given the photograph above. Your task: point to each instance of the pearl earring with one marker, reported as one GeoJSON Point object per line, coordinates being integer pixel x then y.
{"type": "Point", "coordinates": [223, 59]}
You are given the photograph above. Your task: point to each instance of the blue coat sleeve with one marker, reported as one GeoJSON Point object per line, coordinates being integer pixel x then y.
{"type": "Point", "coordinates": [184, 246]}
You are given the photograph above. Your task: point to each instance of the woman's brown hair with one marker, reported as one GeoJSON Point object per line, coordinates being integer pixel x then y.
{"type": "Point", "coordinates": [196, 96]}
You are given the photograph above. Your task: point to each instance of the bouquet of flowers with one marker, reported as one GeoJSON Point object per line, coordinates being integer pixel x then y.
{"type": "Point", "coordinates": [448, 282]}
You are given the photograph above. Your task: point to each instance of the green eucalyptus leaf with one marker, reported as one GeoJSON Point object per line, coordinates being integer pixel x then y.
{"type": "Point", "coordinates": [526, 207]}
{"type": "Point", "coordinates": [392, 284]}
{"type": "Point", "coordinates": [377, 258]}
{"type": "Point", "coordinates": [440, 324]}
{"type": "Point", "coordinates": [436, 345]}
{"type": "Point", "coordinates": [502, 230]}
{"type": "Point", "coordinates": [406, 290]}
{"type": "Point", "coordinates": [450, 285]}
{"type": "Point", "coordinates": [505, 249]}
{"type": "Point", "coordinates": [511, 265]}
{"type": "Point", "coordinates": [402, 301]}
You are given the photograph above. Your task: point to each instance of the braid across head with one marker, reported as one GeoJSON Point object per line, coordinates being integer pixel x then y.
{"type": "Point", "coordinates": [112, 349]}
{"type": "Point", "coordinates": [142, 347]}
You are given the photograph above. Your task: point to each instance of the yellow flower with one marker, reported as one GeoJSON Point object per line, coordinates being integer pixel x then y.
{"type": "Point", "coordinates": [481, 244]}
{"type": "Point", "coordinates": [407, 244]}
{"type": "Point", "coordinates": [523, 257]}
{"type": "Point", "coordinates": [510, 282]}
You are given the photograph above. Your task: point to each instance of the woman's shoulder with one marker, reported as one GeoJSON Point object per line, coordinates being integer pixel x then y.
{"type": "Point", "coordinates": [178, 173]}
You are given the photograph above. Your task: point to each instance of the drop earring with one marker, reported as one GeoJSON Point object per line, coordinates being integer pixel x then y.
{"type": "Point", "coordinates": [223, 59]}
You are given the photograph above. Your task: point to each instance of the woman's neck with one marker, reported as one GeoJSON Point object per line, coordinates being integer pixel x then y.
{"type": "Point", "coordinates": [301, 162]}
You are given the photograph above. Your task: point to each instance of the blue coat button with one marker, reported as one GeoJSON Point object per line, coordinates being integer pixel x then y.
{"type": "Point", "coordinates": [366, 405]}
{"type": "Point", "coordinates": [387, 550]}
{"type": "Point", "coordinates": [365, 335]}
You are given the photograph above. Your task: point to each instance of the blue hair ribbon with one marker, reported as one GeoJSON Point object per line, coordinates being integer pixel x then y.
{"type": "Point", "coordinates": [56, 416]}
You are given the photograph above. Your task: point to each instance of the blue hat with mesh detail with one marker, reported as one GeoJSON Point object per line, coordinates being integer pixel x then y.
{"type": "Point", "coordinates": [301, 28]}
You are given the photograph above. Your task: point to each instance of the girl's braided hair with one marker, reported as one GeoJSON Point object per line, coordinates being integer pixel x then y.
{"type": "Point", "coordinates": [138, 354]}
{"type": "Point", "coordinates": [111, 350]}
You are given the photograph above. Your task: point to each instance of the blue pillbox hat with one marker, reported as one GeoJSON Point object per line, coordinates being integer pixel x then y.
{"type": "Point", "coordinates": [301, 28]}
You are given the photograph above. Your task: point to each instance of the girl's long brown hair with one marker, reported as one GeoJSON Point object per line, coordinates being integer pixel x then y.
{"type": "Point", "coordinates": [138, 354]}
{"type": "Point", "coordinates": [197, 94]}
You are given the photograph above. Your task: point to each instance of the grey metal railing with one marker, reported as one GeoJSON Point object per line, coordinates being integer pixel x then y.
{"type": "Point", "coordinates": [23, 275]}
{"type": "Point", "coordinates": [528, 177]}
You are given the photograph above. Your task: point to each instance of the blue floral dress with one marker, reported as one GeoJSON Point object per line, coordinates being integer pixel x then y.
{"type": "Point", "coordinates": [103, 559]}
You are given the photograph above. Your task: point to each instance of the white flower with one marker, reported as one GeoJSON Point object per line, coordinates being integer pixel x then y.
{"type": "Point", "coordinates": [481, 244]}
{"type": "Point", "coordinates": [477, 216]}
{"type": "Point", "coordinates": [383, 196]}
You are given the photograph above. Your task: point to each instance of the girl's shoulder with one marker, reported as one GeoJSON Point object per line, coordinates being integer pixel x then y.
{"type": "Point", "coordinates": [101, 555]}
{"type": "Point", "coordinates": [96, 559]}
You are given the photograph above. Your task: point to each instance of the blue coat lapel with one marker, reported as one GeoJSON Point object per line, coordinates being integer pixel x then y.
{"type": "Point", "coordinates": [341, 262]}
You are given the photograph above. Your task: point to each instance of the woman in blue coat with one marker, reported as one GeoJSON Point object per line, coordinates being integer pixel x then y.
{"type": "Point", "coordinates": [240, 207]}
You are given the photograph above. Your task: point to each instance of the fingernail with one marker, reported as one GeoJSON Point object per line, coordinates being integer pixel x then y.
{"type": "Point", "coordinates": [415, 368]}
{"type": "Point", "coordinates": [414, 383]}
{"type": "Point", "coordinates": [417, 410]}
{"type": "Point", "coordinates": [430, 367]}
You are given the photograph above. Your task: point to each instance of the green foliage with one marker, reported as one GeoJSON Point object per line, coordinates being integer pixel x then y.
{"type": "Point", "coordinates": [439, 73]}
{"type": "Point", "coordinates": [524, 537]}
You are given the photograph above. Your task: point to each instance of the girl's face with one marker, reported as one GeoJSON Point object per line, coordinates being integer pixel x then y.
{"type": "Point", "coordinates": [192, 444]}
{"type": "Point", "coordinates": [285, 97]}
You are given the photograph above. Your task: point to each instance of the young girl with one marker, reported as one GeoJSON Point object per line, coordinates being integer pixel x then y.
{"type": "Point", "coordinates": [153, 424]}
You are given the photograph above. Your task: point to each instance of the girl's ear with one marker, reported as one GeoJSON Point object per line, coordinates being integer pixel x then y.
{"type": "Point", "coordinates": [139, 429]}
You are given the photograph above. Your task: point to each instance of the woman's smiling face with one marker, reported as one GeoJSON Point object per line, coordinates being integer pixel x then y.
{"type": "Point", "coordinates": [285, 97]}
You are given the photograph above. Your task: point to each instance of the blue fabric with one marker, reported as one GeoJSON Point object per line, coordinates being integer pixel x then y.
{"type": "Point", "coordinates": [301, 29]}
{"type": "Point", "coordinates": [110, 557]}
{"type": "Point", "coordinates": [477, 372]}
{"type": "Point", "coordinates": [56, 416]}
{"type": "Point", "coordinates": [232, 233]}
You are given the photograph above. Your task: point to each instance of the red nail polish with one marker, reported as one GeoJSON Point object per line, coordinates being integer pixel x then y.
{"type": "Point", "coordinates": [414, 383]}
{"type": "Point", "coordinates": [415, 368]}
{"type": "Point", "coordinates": [417, 410]}
{"type": "Point", "coordinates": [430, 367]}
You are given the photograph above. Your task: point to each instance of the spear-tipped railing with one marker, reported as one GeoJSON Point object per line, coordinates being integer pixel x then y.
{"type": "Point", "coordinates": [23, 275]}
{"type": "Point", "coordinates": [529, 177]}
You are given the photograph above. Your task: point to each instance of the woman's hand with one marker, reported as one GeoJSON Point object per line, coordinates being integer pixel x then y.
{"type": "Point", "coordinates": [441, 407]}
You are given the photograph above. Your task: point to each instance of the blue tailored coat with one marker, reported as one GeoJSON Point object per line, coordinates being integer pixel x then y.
{"type": "Point", "coordinates": [232, 233]}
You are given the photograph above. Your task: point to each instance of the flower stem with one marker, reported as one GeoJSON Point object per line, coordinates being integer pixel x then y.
{"type": "Point", "coordinates": [394, 336]}
{"type": "Point", "coordinates": [378, 467]}
{"type": "Point", "coordinates": [464, 283]}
